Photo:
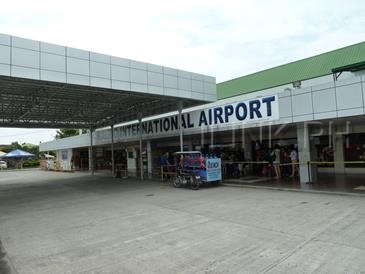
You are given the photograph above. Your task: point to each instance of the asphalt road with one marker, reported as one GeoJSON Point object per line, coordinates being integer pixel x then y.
{"type": "Point", "coordinates": [74, 223]}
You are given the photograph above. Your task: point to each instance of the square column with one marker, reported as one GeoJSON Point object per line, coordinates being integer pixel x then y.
{"type": "Point", "coordinates": [140, 145]}
{"type": "Point", "coordinates": [112, 149]}
{"type": "Point", "coordinates": [149, 159]}
{"type": "Point", "coordinates": [338, 154]}
{"type": "Point", "coordinates": [246, 140]}
{"type": "Point", "coordinates": [306, 153]}
{"type": "Point", "coordinates": [91, 153]}
{"type": "Point", "coordinates": [180, 108]}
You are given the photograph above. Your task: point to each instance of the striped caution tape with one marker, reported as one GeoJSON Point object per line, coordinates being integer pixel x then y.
{"type": "Point", "coordinates": [335, 162]}
{"type": "Point", "coordinates": [260, 162]}
{"type": "Point", "coordinates": [297, 163]}
{"type": "Point", "coordinates": [162, 172]}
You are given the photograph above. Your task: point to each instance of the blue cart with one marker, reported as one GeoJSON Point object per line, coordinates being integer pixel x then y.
{"type": "Point", "coordinates": [192, 169]}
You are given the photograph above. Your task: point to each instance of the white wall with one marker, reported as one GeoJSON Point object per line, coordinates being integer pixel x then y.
{"type": "Point", "coordinates": [70, 142]}
{"type": "Point", "coordinates": [65, 162]}
{"type": "Point", "coordinates": [327, 100]}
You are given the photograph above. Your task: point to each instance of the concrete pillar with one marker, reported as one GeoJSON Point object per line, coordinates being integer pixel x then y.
{"type": "Point", "coordinates": [190, 143]}
{"type": "Point", "coordinates": [246, 141]}
{"type": "Point", "coordinates": [112, 148]}
{"type": "Point", "coordinates": [149, 159]}
{"type": "Point", "coordinates": [140, 145]}
{"type": "Point", "coordinates": [69, 163]}
{"type": "Point", "coordinates": [132, 161]}
{"type": "Point", "coordinates": [246, 144]}
{"type": "Point", "coordinates": [338, 154]}
{"type": "Point", "coordinates": [211, 130]}
{"type": "Point", "coordinates": [91, 154]}
{"type": "Point", "coordinates": [180, 107]}
{"type": "Point", "coordinates": [306, 153]}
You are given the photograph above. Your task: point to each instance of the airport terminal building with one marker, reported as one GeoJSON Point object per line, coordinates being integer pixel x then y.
{"type": "Point", "coordinates": [315, 105]}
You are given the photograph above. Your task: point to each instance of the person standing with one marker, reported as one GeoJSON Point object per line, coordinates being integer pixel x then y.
{"type": "Point", "coordinates": [294, 161]}
{"type": "Point", "coordinates": [164, 162]}
{"type": "Point", "coordinates": [277, 161]}
{"type": "Point", "coordinates": [201, 161]}
{"type": "Point", "coordinates": [286, 172]}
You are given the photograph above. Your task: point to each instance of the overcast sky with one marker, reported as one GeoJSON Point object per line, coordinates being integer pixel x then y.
{"type": "Point", "coordinates": [225, 39]}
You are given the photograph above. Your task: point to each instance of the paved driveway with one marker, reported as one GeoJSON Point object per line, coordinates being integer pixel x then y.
{"type": "Point", "coordinates": [72, 223]}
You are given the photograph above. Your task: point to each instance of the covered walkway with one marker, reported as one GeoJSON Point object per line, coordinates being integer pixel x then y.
{"type": "Point", "coordinates": [51, 86]}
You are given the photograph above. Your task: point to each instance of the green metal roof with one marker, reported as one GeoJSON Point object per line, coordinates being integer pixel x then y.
{"type": "Point", "coordinates": [304, 69]}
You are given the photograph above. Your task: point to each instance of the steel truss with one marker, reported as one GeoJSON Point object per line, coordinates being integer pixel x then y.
{"type": "Point", "coordinates": [40, 104]}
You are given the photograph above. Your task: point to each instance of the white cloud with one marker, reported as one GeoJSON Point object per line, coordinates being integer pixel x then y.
{"type": "Point", "coordinates": [226, 39]}
{"type": "Point", "coordinates": [200, 36]}
{"type": "Point", "coordinates": [21, 135]}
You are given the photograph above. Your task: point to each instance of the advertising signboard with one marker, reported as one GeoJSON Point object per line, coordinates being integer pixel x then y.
{"type": "Point", "coordinates": [214, 169]}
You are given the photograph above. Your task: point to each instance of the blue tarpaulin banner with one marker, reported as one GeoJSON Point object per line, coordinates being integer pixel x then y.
{"type": "Point", "coordinates": [214, 169]}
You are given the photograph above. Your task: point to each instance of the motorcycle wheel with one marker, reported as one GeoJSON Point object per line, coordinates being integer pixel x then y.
{"type": "Point", "coordinates": [177, 182]}
{"type": "Point", "coordinates": [195, 183]}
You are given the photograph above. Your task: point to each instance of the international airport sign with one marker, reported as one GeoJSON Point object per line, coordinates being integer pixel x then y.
{"type": "Point", "coordinates": [256, 110]}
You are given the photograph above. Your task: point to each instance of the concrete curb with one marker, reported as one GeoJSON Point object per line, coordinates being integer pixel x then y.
{"type": "Point", "coordinates": [18, 170]}
{"type": "Point", "coordinates": [297, 190]}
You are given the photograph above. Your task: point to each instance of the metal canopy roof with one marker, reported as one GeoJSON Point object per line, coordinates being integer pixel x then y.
{"type": "Point", "coordinates": [300, 70]}
{"type": "Point", "coordinates": [39, 104]}
{"type": "Point", "coordinates": [44, 85]}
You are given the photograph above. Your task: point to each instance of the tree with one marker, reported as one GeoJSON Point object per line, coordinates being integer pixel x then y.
{"type": "Point", "coordinates": [67, 132]}
{"type": "Point", "coordinates": [12, 146]}
{"type": "Point", "coordinates": [34, 149]}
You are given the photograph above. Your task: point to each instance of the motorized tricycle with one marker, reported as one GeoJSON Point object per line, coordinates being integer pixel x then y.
{"type": "Point", "coordinates": [192, 169]}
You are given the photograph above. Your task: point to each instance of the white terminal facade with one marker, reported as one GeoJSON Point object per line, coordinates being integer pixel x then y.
{"type": "Point", "coordinates": [316, 105]}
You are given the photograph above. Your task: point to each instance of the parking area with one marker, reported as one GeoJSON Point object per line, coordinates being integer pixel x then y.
{"type": "Point", "coordinates": [74, 223]}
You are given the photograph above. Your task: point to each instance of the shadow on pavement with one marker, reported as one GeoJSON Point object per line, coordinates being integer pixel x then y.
{"type": "Point", "coordinates": [5, 264]}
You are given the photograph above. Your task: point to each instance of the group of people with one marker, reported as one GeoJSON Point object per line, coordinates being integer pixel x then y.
{"type": "Point", "coordinates": [233, 163]}
{"type": "Point", "coordinates": [170, 163]}
{"type": "Point", "coordinates": [279, 161]}
{"type": "Point", "coordinates": [283, 159]}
